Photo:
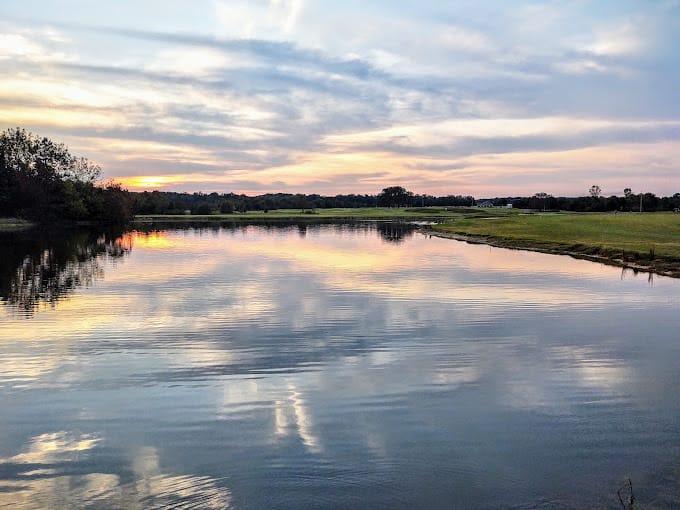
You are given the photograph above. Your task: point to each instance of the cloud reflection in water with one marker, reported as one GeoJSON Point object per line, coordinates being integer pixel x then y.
{"type": "Point", "coordinates": [277, 365]}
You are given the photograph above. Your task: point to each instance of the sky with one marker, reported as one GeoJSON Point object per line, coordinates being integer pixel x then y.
{"type": "Point", "coordinates": [476, 97]}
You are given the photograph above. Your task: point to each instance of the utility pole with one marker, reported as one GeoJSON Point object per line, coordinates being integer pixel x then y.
{"type": "Point", "coordinates": [641, 195]}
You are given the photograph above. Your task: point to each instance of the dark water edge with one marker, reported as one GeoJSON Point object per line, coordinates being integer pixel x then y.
{"type": "Point", "coordinates": [328, 364]}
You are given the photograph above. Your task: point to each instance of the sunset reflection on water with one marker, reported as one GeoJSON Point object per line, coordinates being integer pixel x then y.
{"type": "Point", "coordinates": [324, 365]}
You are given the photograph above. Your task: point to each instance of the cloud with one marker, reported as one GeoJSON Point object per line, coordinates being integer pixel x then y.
{"type": "Point", "coordinates": [272, 52]}
{"type": "Point", "coordinates": [461, 39]}
{"type": "Point", "coordinates": [245, 18]}
{"type": "Point", "coordinates": [277, 88]}
{"type": "Point", "coordinates": [625, 39]}
{"type": "Point", "coordinates": [12, 45]}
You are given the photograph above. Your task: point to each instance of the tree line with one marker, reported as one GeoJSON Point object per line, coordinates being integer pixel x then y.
{"type": "Point", "coordinates": [166, 202]}
{"type": "Point", "coordinates": [594, 202]}
{"type": "Point", "coordinates": [41, 180]}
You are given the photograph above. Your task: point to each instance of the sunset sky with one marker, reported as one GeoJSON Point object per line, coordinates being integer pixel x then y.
{"type": "Point", "coordinates": [468, 97]}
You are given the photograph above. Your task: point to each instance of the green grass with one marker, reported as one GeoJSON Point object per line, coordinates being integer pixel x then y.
{"type": "Point", "coordinates": [598, 233]}
{"type": "Point", "coordinates": [337, 213]}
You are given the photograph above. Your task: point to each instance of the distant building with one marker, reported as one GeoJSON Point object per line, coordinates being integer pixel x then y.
{"type": "Point", "coordinates": [485, 203]}
{"type": "Point", "coordinates": [508, 206]}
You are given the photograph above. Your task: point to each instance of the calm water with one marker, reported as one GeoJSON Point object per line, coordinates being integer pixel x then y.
{"type": "Point", "coordinates": [329, 366]}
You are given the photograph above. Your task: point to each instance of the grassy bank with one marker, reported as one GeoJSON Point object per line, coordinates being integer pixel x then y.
{"type": "Point", "coordinates": [369, 213]}
{"type": "Point", "coordinates": [644, 241]}
{"type": "Point", "coordinates": [7, 224]}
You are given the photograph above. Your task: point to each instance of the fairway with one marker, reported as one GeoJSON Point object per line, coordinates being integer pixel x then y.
{"type": "Point", "coordinates": [635, 234]}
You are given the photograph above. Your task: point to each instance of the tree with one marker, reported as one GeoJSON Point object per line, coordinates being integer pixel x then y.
{"type": "Point", "coordinates": [202, 209]}
{"type": "Point", "coordinates": [42, 180]}
{"type": "Point", "coordinates": [227, 207]}
{"type": "Point", "coordinates": [116, 204]}
{"type": "Point", "coordinates": [395, 196]}
{"type": "Point", "coordinates": [628, 199]}
{"type": "Point", "coordinates": [595, 191]}
{"type": "Point", "coordinates": [543, 197]}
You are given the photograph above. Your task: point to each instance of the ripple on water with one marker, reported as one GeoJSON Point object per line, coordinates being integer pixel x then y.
{"type": "Point", "coordinates": [326, 366]}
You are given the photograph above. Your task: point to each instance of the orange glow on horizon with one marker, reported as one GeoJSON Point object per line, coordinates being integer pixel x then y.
{"type": "Point", "coordinates": [149, 182]}
{"type": "Point", "coordinates": [477, 175]}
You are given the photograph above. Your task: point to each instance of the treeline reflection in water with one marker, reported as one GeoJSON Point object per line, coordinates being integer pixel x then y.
{"type": "Point", "coordinates": [40, 267]}
{"type": "Point", "coordinates": [389, 231]}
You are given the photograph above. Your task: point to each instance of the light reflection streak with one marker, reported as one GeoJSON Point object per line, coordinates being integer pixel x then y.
{"type": "Point", "coordinates": [292, 413]}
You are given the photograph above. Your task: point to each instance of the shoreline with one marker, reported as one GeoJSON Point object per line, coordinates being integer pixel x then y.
{"type": "Point", "coordinates": [401, 214]}
{"type": "Point", "coordinates": [661, 267]}
{"type": "Point", "coordinates": [14, 224]}
{"type": "Point", "coordinates": [310, 218]}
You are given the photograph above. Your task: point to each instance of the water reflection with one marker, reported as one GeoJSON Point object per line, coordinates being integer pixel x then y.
{"type": "Point", "coordinates": [389, 231]}
{"type": "Point", "coordinates": [279, 366]}
{"type": "Point", "coordinates": [395, 232]}
{"type": "Point", "coordinates": [55, 471]}
{"type": "Point", "coordinates": [41, 268]}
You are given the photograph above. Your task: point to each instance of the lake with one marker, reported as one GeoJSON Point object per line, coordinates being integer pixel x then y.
{"type": "Point", "coordinates": [359, 365]}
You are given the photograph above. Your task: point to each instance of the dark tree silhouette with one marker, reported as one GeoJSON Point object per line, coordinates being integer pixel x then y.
{"type": "Point", "coordinates": [395, 196]}
{"type": "Point", "coordinates": [42, 180]}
